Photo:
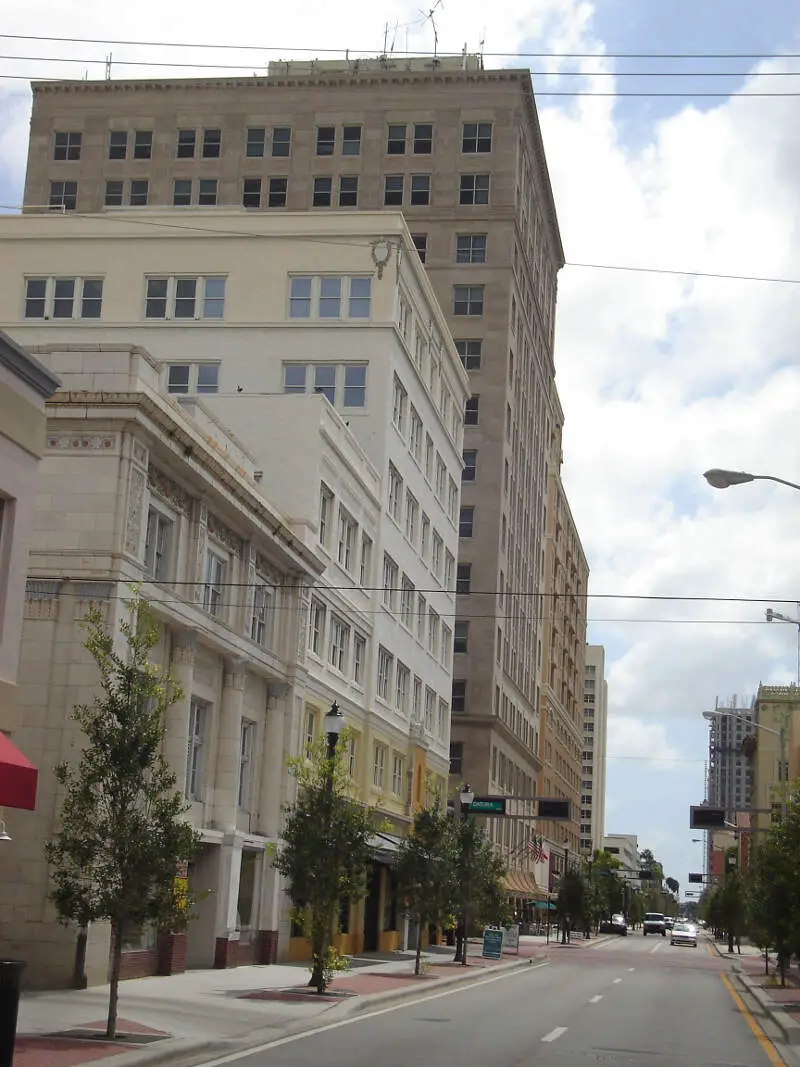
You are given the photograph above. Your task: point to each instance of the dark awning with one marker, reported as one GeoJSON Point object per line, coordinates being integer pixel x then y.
{"type": "Point", "coordinates": [384, 847]}
{"type": "Point", "coordinates": [18, 778]}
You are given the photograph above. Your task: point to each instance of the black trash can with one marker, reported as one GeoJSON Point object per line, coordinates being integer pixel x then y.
{"type": "Point", "coordinates": [10, 977]}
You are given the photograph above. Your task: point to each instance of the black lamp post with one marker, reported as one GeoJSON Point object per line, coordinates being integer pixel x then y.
{"type": "Point", "coordinates": [465, 798]}
{"type": "Point", "coordinates": [334, 724]}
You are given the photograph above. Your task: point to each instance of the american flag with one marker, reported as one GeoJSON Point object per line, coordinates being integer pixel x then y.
{"type": "Point", "coordinates": [536, 850]}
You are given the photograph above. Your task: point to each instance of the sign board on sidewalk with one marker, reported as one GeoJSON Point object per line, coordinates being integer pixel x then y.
{"type": "Point", "coordinates": [488, 806]}
{"type": "Point", "coordinates": [511, 938]}
{"type": "Point", "coordinates": [493, 943]}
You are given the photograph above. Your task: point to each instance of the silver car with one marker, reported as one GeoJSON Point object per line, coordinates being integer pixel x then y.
{"type": "Point", "coordinates": [684, 934]}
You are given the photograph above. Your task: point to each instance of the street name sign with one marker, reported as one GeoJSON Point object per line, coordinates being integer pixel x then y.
{"type": "Point", "coordinates": [492, 943]}
{"type": "Point", "coordinates": [488, 806]}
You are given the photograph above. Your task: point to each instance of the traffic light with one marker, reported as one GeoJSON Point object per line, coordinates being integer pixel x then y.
{"type": "Point", "coordinates": [695, 878]}
{"type": "Point", "coordinates": [703, 817]}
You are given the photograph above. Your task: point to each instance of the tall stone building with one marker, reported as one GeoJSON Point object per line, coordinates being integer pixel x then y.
{"type": "Point", "coordinates": [593, 758]}
{"type": "Point", "coordinates": [459, 150]}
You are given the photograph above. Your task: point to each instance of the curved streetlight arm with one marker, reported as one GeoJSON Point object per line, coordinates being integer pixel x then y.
{"type": "Point", "coordinates": [724, 479]}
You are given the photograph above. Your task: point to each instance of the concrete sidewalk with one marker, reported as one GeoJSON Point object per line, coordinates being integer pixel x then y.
{"type": "Point", "coordinates": [194, 1016]}
{"type": "Point", "coordinates": [781, 1004]}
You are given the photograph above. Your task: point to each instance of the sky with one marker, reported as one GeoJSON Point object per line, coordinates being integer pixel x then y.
{"type": "Point", "coordinates": [661, 375]}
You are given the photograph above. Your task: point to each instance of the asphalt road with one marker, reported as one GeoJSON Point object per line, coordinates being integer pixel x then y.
{"type": "Point", "coordinates": [628, 1001]}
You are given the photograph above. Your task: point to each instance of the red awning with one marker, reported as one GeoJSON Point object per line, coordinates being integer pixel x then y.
{"type": "Point", "coordinates": [18, 778]}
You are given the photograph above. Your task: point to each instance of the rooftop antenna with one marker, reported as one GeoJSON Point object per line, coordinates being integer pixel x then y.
{"type": "Point", "coordinates": [108, 67]}
{"type": "Point", "coordinates": [481, 43]}
{"type": "Point", "coordinates": [429, 17]}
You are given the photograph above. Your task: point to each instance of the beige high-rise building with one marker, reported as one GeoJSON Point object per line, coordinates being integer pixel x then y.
{"type": "Point", "coordinates": [775, 761]}
{"type": "Point", "coordinates": [593, 760]}
{"type": "Point", "coordinates": [459, 150]}
{"type": "Point", "coordinates": [562, 646]}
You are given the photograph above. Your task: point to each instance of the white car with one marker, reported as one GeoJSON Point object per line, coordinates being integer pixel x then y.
{"type": "Point", "coordinates": [684, 934]}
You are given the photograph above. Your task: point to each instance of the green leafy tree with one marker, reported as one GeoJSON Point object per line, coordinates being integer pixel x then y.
{"type": "Point", "coordinates": [636, 908]}
{"type": "Point", "coordinates": [733, 907]}
{"type": "Point", "coordinates": [426, 871]}
{"type": "Point", "coordinates": [672, 885]}
{"type": "Point", "coordinates": [324, 851]}
{"type": "Point", "coordinates": [480, 895]}
{"type": "Point", "coordinates": [605, 890]}
{"type": "Point", "coordinates": [122, 828]}
{"type": "Point", "coordinates": [774, 887]}
{"type": "Point", "coordinates": [572, 899]}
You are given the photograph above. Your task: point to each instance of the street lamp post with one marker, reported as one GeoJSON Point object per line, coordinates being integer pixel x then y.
{"type": "Point", "coordinates": [778, 616]}
{"type": "Point", "coordinates": [334, 724]}
{"type": "Point", "coordinates": [461, 811]}
{"type": "Point", "coordinates": [724, 479]}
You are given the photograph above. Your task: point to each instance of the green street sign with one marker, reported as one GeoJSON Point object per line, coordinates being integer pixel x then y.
{"type": "Point", "coordinates": [488, 806]}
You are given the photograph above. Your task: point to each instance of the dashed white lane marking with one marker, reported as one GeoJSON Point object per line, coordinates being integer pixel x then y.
{"type": "Point", "coordinates": [595, 999]}
{"type": "Point", "coordinates": [655, 948]}
{"type": "Point", "coordinates": [617, 981]}
{"type": "Point", "coordinates": [631, 969]}
{"type": "Point", "coordinates": [554, 1035]}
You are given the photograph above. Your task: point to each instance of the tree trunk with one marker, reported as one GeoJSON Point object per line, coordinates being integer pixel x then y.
{"type": "Point", "coordinates": [418, 959]}
{"type": "Point", "coordinates": [730, 939]}
{"type": "Point", "coordinates": [79, 969]}
{"type": "Point", "coordinates": [113, 996]}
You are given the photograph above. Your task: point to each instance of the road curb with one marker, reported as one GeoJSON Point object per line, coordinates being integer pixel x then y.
{"type": "Point", "coordinates": [789, 1027]}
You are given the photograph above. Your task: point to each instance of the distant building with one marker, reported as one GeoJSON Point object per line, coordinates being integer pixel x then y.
{"type": "Point", "coordinates": [626, 849]}
{"type": "Point", "coordinates": [593, 770]}
{"type": "Point", "coordinates": [730, 775]}
{"type": "Point", "coordinates": [775, 709]}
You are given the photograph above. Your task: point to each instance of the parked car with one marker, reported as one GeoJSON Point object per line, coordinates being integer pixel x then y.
{"type": "Point", "coordinates": [618, 925]}
{"type": "Point", "coordinates": [684, 934]}
{"type": "Point", "coordinates": [654, 923]}
{"type": "Point", "coordinates": [669, 921]}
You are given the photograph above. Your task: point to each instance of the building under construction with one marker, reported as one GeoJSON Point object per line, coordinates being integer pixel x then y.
{"type": "Point", "coordinates": [729, 782]}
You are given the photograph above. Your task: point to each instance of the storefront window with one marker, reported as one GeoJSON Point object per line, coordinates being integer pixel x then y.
{"type": "Point", "coordinates": [390, 903]}
{"type": "Point", "coordinates": [247, 885]}
{"type": "Point", "coordinates": [344, 916]}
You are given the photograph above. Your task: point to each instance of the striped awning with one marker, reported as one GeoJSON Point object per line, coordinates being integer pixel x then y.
{"type": "Point", "coordinates": [522, 884]}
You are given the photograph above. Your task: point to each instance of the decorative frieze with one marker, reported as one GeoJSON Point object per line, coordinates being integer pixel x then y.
{"type": "Point", "coordinates": [133, 525]}
{"type": "Point", "coordinates": [42, 598]}
{"type": "Point", "coordinates": [184, 648]}
{"type": "Point", "coordinates": [163, 486]}
{"type": "Point", "coordinates": [224, 535]}
{"type": "Point", "coordinates": [84, 442]}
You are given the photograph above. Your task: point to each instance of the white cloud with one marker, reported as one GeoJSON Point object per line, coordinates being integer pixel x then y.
{"type": "Point", "coordinates": [646, 742]}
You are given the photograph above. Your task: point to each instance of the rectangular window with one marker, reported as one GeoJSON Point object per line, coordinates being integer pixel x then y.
{"type": "Point", "coordinates": [407, 602]}
{"type": "Point", "coordinates": [157, 544]}
{"type": "Point", "coordinates": [347, 540]}
{"type": "Point", "coordinates": [416, 706]}
{"type": "Point", "coordinates": [355, 385]}
{"type": "Point", "coordinates": [396, 141]}
{"type": "Point", "coordinates": [156, 299]}
{"type": "Point", "coordinates": [194, 763]}
{"type": "Point", "coordinates": [246, 740]}
{"type": "Point", "coordinates": [359, 306]}
{"type": "Point", "coordinates": [352, 757]}
{"type": "Point", "coordinates": [437, 547]}
{"type": "Point", "coordinates": [365, 568]}
{"type": "Point", "coordinates": [385, 672]}
{"type": "Point", "coordinates": [423, 139]}
{"type": "Point", "coordinates": [395, 493]}
{"type": "Point", "coordinates": [207, 195]}
{"type": "Point", "coordinates": [142, 144]}
{"type": "Point", "coordinates": [398, 774]}
{"type": "Point", "coordinates": [461, 637]}
{"type": "Point", "coordinates": [393, 190]}
{"type": "Point", "coordinates": [433, 633]}
{"type": "Point", "coordinates": [300, 298]}
{"type": "Point", "coordinates": [140, 189]}
{"type": "Point", "coordinates": [213, 298]}
{"type": "Point", "coordinates": [281, 141]}
{"type": "Point", "coordinates": [463, 579]}
{"type": "Point", "coordinates": [470, 351]}
{"type": "Point", "coordinates": [449, 569]}
{"type": "Point", "coordinates": [469, 470]}
{"type": "Point", "coordinates": [186, 143]}
{"type": "Point", "coordinates": [422, 614]}
{"type": "Point", "coordinates": [118, 144]}
{"type": "Point", "coordinates": [63, 196]}
{"type": "Point", "coordinates": [325, 514]}
{"type": "Point", "coordinates": [251, 192]}
{"type": "Point", "coordinates": [447, 647]}
{"type": "Point", "coordinates": [359, 658]}
{"type": "Point", "coordinates": [323, 190]}
{"type": "Point", "coordinates": [420, 190]}
{"type": "Point", "coordinates": [412, 518]}
{"type": "Point", "coordinates": [452, 499]}
{"type": "Point", "coordinates": [63, 298]}
{"type": "Point", "coordinates": [399, 405]}
{"type": "Point", "coordinates": [379, 766]}
{"type": "Point", "coordinates": [402, 688]}
{"type": "Point", "coordinates": [348, 190]}
{"type": "Point", "coordinates": [421, 244]}
{"type": "Point", "coordinates": [458, 701]}
{"type": "Point", "coordinates": [256, 141]}
{"type": "Point", "coordinates": [466, 521]}
{"type": "Point", "coordinates": [309, 731]}
{"type": "Point", "coordinates": [67, 146]}
{"type": "Point", "coordinates": [113, 197]}
{"type": "Point", "coordinates": [456, 757]}
{"type": "Point", "coordinates": [425, 539]}
{"type": "Point", "coordinates": [185, 298]}
{"type": "Point", "coordinates": [430, 708]}
{"type": "Point", "coordinates": [415, 435]}
{"type": "Point", "coordinates": [471, 248]}
{"type": "Point", "coordinates": [213, 592]}
{"type": "Point", "coordinates": [338, 644]}
{"type": "Point", "coordinates": [326, 140]}
{"type": "Point", "coordinates": [316, 627]}
{"type": "Point", "coordinates": [277, 192]}
{"type": "Point", "coordinates": [390, 581]}
{"type": "Point", "coordinates": [476, 137]}
{"type": "Point", "coordinates": [351, 141]}
{"type": "Point", "coordinates": [181, 192]}
{"type": "Point", "coordinates": [330, 299]}
{"type": "Point", "coordinates": [468, 299]}
{"type": "Point", "coordinates": [441, 478]}
{"type": "Point", "coordinates": [35, 298]}
{"type": "Point", "coordinates": [474, 189]}
{"type": "Point", "coordinates": [212, 144]}
{"type": "Point", "coordinates": [471, 410]}
{"type": "Point", "coordinates": [263, 605]}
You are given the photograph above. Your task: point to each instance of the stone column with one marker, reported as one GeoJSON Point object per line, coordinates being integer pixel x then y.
{"type": "Point", "coordinates": [226, 779]}
{"type": "Point", "coordinates": [227, 935]}
{"type": "Point", "coordinates": [176, 742]}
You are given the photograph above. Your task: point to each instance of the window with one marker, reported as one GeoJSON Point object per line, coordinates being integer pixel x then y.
{"type": "Point", "coordinates": [402, 688]}
{"type": "Point", "coordinates": [470, 352]}
{"type": "Point", "coordinates": [398, 774]}
{"type": "Point", "coordinates": [437, 547]}
{"type": "Point", "coordinates": [212, 144]}
{"type": "Point", "coordinates": [330, 298]}
{"type": "Point", "coordinates": [359, 657]}
{"type": "Point", "coordinates": [422, 608]}
{"type": "Point", "coordinates": [323, 190]}
{"type": "Point", "coordinates": [186, 143]}
{"type": "Point", "coordinates": [251, 192]}
{"type": "Point", "coordinates": [449, 568]}
{"type": "Point", "coordinates": [471, 248]}
{"type": "Point", "coordinates": [425, 539]}
{"type": "Point", "coordinates": [351, 141]}
{"type": "Point", "coordinates": [420, 189]}
{"type": "Point", "coordinates": [476, 137]}
{"type": "Point", "coordinates": [348, 190]}
{"type": "Point", "coordinates": [316, 627]}
{"type": "Point", "coordinates": [416, 705]}
{"type": "Point", "coordinates": [407, 602]}
{"type": "Point", "coordinates": [300, 299]}
{"type": "Point", "coordinates": [444, 719]}
{"type": "Point", "coordinates": [207, 196]}
{"type": "Point", "coordinates": [390, 581]}
{"type": "Point", "coordinates": [412, 517]}
{"type": "Point", "coordinates": [338, 644]}
{"type": "Point", "coordinates": [118, 144]}
{"type": "Point", "coordinates": [399, 405]}
{"type": "Point", "coordinates": [433, 633]}
{"type": "Point", "coordinates": [67, 146]}
{"type": "Point", "coordinates": [415, 435]}
{"type": "Point", "coordinates": [456, 757]}
{"type": "Point", "coordinates": [325, 514]}
{"type": "Point", "coordinates": [441, 478]}
{"type": "Point", "coordinates": [324, 379]}
{"type": "Point", "coordinates": [277, 192]}
{"type": "Point", "coordinates": [421, 244]}
{"type": "Point", "coordinates": [63, 196]}
{"type": "Point", "coordinates": [63, 298]}
{"type": "Point", "coordinates": [185, 298]}
{"type": "Point", "coordinates": [463, 578]}
{"type": "Point", "coordinates": [309, 731]}
{"type": "Point", "coordinates": [326, 295]}
{"type": "Point", "coordinates": [471, 409]}
{"type": "Point", "coordinates": [395, 493]}
{"type": "Point", "coordinates": [474, 189]}
{"type": "Point", "coordinates": [181, 192]}
{"type": "Point", "coordinates": [261, 620]}
{"type": "Point", "coordinates": [256, 140]}
{"type": "Point", "coordinates": [193, 378]}
{"type": "Point", "coordinates": [396, 141]}
{"type": "Point", "coordinates": [113, 197]}
{"type": "Point", "coordinates": [468, 299]}
{"type": "Point", "coordinates": [461, 637]}
{"type": "Point", "coordinates": [466, 522]}
{"type": "Point", "coordinates": [246, 739]}
{"type": "Point", "coordinates": [385, 669]}
{"type": "Point", "coordinates": [365, 569]}
{"type": "Point", "coordinates": [379, 766]}
{"type": "Point", "coordinates": [423, 139]}
{"type": "Point", "coordinates": [428, 456]}
{"type": "Point", "coordinates": [458, 702]}
{"type": "Point", "coordinates": [139, 192]}
{"type": "Point", "coordinates": [447, 647]}
{"type": "Point", "coordinates": [360, 298]}
{"type": "Point", "coordinates": [326, 140]}
{"type": "Point", "coordinates": [157, 544]}
{"type": "Point", "coordinates": [393, 190]}
{"type": "Point", "coordinates": [347, 539]}
{"type": "Point", "coordinates": [142, 144]}
{"type": "Point", "coordinates": [194, 763]}
{"type": "Point", "coordinates": [452, 500]}
{"type": "Point", "coordinates": [216, 566]}
{"type": "Point", "coordinates": [469, 469]}
{"type": "Point", "coordinates": [281, 141]}
{"type": "Point", "coordinates": [35, 298]}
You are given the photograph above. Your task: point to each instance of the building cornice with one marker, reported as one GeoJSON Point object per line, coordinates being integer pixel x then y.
{"type": "Point", "coordinates": [27, 368]}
